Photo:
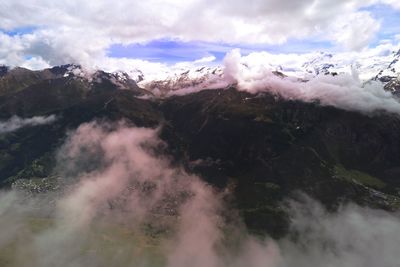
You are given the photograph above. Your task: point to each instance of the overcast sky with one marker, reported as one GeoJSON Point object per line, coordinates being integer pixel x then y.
{"type": "Point", "coordinates": [40, 33]}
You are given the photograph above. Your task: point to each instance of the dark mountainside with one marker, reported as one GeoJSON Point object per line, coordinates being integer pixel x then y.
{"type": "Point", "coordinates": [264, 148]}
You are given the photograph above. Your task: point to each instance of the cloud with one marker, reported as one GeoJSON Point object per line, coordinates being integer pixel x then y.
{"type": "Point", "coordinates": [130, 187]}
{"type": "Point", "coordinates": [356, 31]}
{"type": "Point", "coordinates": [353, 236]}
{"type": "Point", "coordinates": [77, 32]}
{"type": "Point", "coordinates": [256, 73]}
{"type": "Point", "coordinates": [123, 204]}
{"type": "Point", "coordinates": [393, 3]}
{"type": "Point", "coordinates": [344, 91]}
{"type": "Point", "coordinates": [205, 60]}
{"type": "Point", "coordinates": [15, 123]}
{"type": "Point", "coordinates": [34, 63]}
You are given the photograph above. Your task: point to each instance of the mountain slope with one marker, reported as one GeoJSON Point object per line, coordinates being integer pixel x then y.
{"type": "Point", "coordinates": [261, 147]}
{"type": "Point", "coordinates": [16, 79]}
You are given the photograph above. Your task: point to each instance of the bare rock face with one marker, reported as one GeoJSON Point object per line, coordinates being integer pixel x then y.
{"type": "Point", "coordinates": [393, 86]}
{"type": "Point", "coordinates": [392, 71]}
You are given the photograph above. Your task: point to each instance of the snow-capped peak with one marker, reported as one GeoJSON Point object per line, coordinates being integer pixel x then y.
{"type": "Point", "coordinates": [189, 79]}
{"type": "Point", "coordinates": [321, 64]}
{"type": "Point", "coordinates": [392, 70]}
{"type": "Point", "coordinates": [380, 65]}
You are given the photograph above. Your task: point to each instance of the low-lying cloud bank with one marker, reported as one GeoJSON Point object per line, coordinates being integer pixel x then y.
{"type": "Point", "coordinates": [123, 204]}
{"type": "Point", "coordinates": [342, 90]}
{"type": "Point", "coordinates": [15, 123]}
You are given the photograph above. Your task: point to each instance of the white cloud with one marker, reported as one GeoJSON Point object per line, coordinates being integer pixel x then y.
{"type": "Point", "coordinates": [81, 32]}
{"type": "Point", "coordinates": [35, 63]}
{"type": "Point", "coordinates": [207, 59]}
{"type": "Point", "coordinates": [356, 30]}
{"type": "Point", "coordinates": [393, 3]}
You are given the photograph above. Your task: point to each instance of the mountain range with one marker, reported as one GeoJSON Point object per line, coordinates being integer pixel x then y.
{"type": "Point", "coordinates": [264, 147]}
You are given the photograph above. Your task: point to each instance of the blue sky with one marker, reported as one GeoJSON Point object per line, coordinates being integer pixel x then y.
{"type": "Point", "coordinates": [172, 51]}
{"type": "Point", "coordinates": [390, 19]}
{"type": "Point", "coordinates": [20, 31]}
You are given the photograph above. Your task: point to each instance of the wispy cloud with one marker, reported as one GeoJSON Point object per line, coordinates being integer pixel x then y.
{"type": "Point", "coordinates": [15, 123]}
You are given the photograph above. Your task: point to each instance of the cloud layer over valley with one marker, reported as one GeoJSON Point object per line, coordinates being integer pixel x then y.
{"type": "Point", "coordinates": [122, 204]}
